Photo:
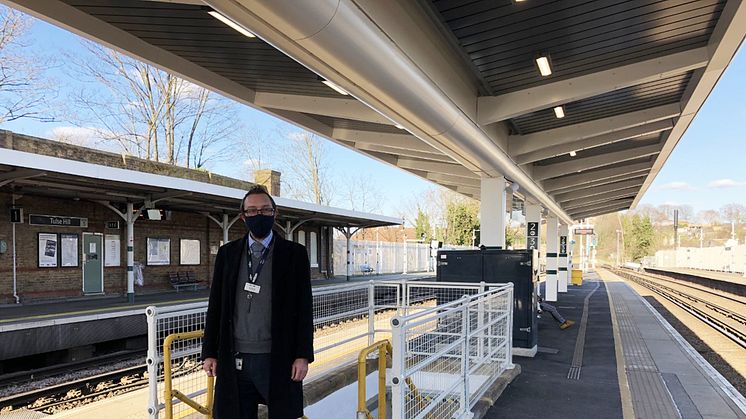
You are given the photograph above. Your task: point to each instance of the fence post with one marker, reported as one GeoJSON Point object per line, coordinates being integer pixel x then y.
{"type": "Point", "coordinates": [371, 312]}
{"type": "Point", "coordinates": [398, 357]}
{"type": "Point", "coordinates": [152, 360]}
{"type": "Point", "coordinates": [480, 320]}
{"type": "Point", "coordinates": [509, 329]}
{"type": "Point", "coordinates": [465, 356]}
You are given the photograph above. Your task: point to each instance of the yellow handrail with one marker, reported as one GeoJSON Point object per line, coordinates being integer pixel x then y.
{"type": "Point", "coordinates": [383, 347]}
{"type": "Point", "coordinates": [169, 393]}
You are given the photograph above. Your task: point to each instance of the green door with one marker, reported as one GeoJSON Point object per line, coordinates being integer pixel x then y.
{"type": "Point", "coordinates": [93, 263]}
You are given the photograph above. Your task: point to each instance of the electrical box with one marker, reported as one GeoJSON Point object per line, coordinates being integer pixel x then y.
{"type": "Point", "coordinates": [494, 265]}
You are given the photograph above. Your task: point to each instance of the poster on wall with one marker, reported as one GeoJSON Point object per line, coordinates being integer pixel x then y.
{"type": "Point", "coordinates": [69, 250]}
{"type": "Point", "coordinates": [159, 251]}
{"type": "Point", "coordinates": [47, 250]}
{"type": "Point", "coordinates": [112, 250]}
{"type": "Point", "coordinates": [189, 252]}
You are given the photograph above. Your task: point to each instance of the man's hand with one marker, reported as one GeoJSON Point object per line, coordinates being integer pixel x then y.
{"type": "Point", "coordinates": [299, 370]}
{"type": "Point", "coordinates": [210, 366]}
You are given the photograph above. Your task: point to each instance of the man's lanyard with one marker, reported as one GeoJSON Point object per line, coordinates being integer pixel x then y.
{"type": "Point", "coordinates": [253, 276]}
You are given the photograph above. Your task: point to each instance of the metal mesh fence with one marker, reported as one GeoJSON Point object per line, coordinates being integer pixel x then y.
{"type": "Point", "coordinates": [446, 322]}
{"type": "Point", "coordinates": [445, 357]}
{"type": "Point", "coordinates": [186, 365]}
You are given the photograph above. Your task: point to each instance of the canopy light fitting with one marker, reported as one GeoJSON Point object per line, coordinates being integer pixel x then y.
{"type": "Point", "coordinates": [217, 15]}
{"type": "Point", "coordinates": [338, 89]}
{"type": "Point", "coordinates": [559, 111]}
{"type": "Point", "coordinates": [543, 63]}
{"type": "Point", "coordinates": [400, 126]}
{"type": "Point", "coordinates": [573, 153]}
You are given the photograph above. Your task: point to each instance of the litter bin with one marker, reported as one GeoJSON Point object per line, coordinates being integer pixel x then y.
{"type": "Point", "coordinates": [577, 277]}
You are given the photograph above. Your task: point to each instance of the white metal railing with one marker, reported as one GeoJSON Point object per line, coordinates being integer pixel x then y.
{"type": "Point", "coordinates": [446, 357]}
{"type": "Point", "coordinates": [347, 319]}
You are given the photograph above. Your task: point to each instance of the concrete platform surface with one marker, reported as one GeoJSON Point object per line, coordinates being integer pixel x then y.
{"type": "Point", "coordinates": [735, 278]}
{"type": "Point", "coordinates": [629, 363]}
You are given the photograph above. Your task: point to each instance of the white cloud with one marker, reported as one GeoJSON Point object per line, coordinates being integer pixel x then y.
{"type": "Point", "coordinates": [82, 136]}
{"type": "Point", "coordinates": [725, 183]}
{"type": "Point", "coordinates": [680, 186]}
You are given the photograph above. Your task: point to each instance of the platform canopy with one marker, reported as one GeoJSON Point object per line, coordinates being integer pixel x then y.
{"type": "Point", "coordinates": [452, 90]}
{"type": "Point", "coordinates": [30, 174]}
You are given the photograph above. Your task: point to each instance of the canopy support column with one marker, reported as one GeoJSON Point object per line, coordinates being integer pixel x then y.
{"type": "Point", "coordinates": [562, 273]}
{"type": "Point", "coordinates": [550, 288]}
{"type": "Point", "coordinates": [492, 212]}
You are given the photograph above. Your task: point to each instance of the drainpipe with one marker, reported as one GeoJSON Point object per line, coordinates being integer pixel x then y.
{"type": "Point", "coordinates": [130, 219]}
{"type": "Point", "coordinates": [15, 289]}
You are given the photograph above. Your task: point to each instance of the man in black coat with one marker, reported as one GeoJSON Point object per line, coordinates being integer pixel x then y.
{"type": "Point", "coordinates": [259, 327]}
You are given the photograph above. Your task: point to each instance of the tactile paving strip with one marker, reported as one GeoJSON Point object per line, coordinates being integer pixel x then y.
{"type": "Point", "coordinates": [577, 358]}
{"type": "Point", "coordinates": [650, 396]}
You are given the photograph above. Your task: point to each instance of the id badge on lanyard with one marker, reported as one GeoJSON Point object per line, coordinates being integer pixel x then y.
{"type": "Point", "coordinates": [251, 287]}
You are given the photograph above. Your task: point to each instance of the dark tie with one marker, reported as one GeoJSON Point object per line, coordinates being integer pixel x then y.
{"type": "Point", "coordinates": [256, 253]}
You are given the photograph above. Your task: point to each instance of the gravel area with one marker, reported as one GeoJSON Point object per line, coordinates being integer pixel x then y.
{"type": "Point", "coordinates": [64, 378]}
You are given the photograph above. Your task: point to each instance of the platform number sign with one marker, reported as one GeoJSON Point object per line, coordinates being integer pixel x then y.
{"type": "Point", "coordinates": [563, 245]}
{"type": "Point", "coordinates": [532, 236]}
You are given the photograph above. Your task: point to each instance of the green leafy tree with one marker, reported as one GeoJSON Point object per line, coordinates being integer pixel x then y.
{"type": "Point", "coordinates": [462, 219]}
{"type": "Point", "coordinates": [422, 226]}
{"type": "Point", "coordinates": [640, 237]}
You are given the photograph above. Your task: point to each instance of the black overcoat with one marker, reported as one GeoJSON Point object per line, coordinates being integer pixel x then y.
{"type": "Point", "coordinates": [292, 327]}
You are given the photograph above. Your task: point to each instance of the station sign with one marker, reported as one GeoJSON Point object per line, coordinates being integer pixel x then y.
{"type": "Point", "coordinates": [532, 235]}
{"type": "Point", "coordinates": [113, 225]}
{"type": "Point", "coordinates": [586, 231]}
{"type": "Point", "coordinates": [563, 245]}
{"type": "Point", "coordinates": [16, 215]}
{"type": "Point", "coordinates": [57, 221]}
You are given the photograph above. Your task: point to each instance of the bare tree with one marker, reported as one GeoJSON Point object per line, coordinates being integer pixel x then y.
{"type": "Point", "coordinates": [733, 213]}
{"type": "Point", "coordinates": [151, 113]}
{"type": "Point", "coordinates": [362, 194]}
{"type": "Point", "coordinates": [307, 168]}
{"type": "Point", "coordinates": [23, 88]}
{"type": "Point", "coordinates": [710, 217]}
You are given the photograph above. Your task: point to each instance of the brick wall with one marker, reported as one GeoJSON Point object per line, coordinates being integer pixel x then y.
{"type": "Point", "coordinates": [40, 283]}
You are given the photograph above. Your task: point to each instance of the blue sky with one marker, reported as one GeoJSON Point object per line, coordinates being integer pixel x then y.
{"type": "Point", "coordinates": [706, 170]}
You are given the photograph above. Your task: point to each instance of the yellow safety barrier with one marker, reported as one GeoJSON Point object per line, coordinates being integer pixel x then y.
{"type": "Point", "coordinates": [577, 277]}
{"type": "Point", "coordinates": [383, 347]}
{"type": "Point", "coordinates": [169, 393]}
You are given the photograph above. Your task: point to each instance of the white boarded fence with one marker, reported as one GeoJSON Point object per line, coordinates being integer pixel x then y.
{"type": "Point", "coordinates": [384, 257]}
{"type": "Point", "coordinates": [719, 258]}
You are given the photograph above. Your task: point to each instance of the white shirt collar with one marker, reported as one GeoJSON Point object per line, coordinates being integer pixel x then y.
{"type": "Point", "coordinates": [265, 241]}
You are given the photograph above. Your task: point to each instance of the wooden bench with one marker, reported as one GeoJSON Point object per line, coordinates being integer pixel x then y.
{"type": "Point", "coordinates": [183, 279]}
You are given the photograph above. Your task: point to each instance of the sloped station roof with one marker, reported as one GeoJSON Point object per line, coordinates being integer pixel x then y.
{"type": "Point", "coordinates": [450, 90]}
{"type": "Point", "coordinates": [38, 167]}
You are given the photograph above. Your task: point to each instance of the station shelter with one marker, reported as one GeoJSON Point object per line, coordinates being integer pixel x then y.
{"type": "Point", "coordinates": [83, 222]}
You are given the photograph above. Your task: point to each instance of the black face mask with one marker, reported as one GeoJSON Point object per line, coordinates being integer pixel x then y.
{"type": "Point", "coordinates": [260, 225]}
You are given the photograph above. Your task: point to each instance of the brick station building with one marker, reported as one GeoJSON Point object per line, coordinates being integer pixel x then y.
{"type": "Point", "coordinates": [68, 211]}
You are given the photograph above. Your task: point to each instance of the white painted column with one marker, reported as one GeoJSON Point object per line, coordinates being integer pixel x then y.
{"type": "Point", "coordinates": [550, 287]}
{"type": "Point", "coordinates": [226, 226]}
{"type": "Point", "coordinates": [533, 225]}
{"type": "Point", "coordinates": [130, 219]}
{"type": "Point", "coordinates": [562, 263]}
{"type": "Point", "coordinates": [492, 212]}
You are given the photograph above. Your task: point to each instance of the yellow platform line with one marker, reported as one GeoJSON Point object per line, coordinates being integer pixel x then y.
{"type": "Point", "coordinates": [628, 409]}
{"type": "Point", "coordinates": [97, 310]}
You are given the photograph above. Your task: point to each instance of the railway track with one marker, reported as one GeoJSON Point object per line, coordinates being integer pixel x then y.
{"type": "Point", "coordinates": [729, 322]}
{"type": "Point", "coordinates": [68, 395]}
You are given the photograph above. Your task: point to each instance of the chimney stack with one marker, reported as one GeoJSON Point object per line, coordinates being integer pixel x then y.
{"type": "Point", "coordinates": [270, 179]}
